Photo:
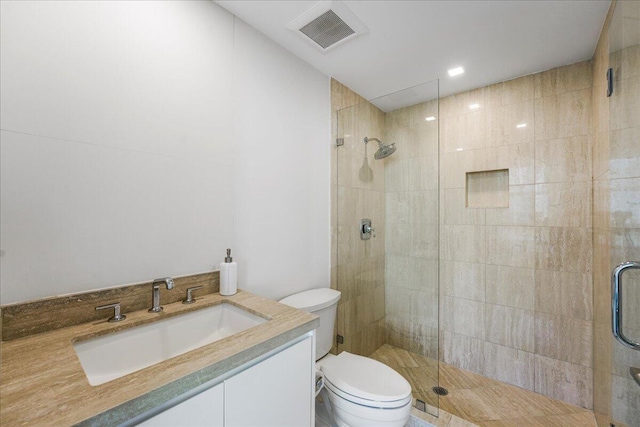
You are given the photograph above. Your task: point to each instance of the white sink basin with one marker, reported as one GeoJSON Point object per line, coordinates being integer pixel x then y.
{"type": "Point", "coordinates": [116, 355]}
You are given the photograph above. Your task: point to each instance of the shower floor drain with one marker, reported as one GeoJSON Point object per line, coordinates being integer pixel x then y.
{"type": "Point", "coordinates": [440, 391]}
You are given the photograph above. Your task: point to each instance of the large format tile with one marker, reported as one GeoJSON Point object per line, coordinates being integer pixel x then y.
{"type": "Point", "coordinates": [511, 246]}
{"type": "Point", "coordinates": [510, 286]}
{"type": "Point", "coordinates": [626, 400]}
{"type": "Point", "coordinates": [509, 365]}
{"type": "Point", "coordinates": [464, 280]}
{"type": "Point", "coordinates": [564, 293]}
{"type": "Point", "coordinates": [564, 338]}
{"type": "Point", "coordinates": [564, 79]}
{"type": "Point", "coordinates": [563, 249]}
{"type": "Point", "coordinates": [565, 381]}
{"type": "Point", "coordinates": [511, 124]}
{"type": "Point", "coordinates": [625, 202]}
{"type": "Point", "coordinates": [520, 210]}
{"type": "Point", "coordinates": [566, 204]}
{"type": "Point", "coordinates": [565, 159]}
{"type": "Point", "coordinates": [624, 155]}
{"type": "Point", "coordinates": [456, 211]}
{"type": "Point", "coordinates": [464, 243]}
{"type": "Point", "coordinates": [510, 327]}
{"type": "Point", "coordinates": [563, 115]}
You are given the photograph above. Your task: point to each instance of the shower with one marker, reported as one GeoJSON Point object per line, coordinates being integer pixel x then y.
{"type": "Point", "coordinates": [385, 150]}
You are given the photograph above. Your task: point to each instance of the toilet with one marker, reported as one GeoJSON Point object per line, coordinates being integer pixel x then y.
{"type": "Point", "coordinates": [361, 392]}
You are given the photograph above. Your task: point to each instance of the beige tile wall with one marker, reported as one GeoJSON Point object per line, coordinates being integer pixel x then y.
{"type": "Point", "coordinates": [516, 281]}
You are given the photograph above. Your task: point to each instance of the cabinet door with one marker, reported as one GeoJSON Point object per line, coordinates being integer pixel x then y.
{"type": "Point", "coordinates": [274, 393]}
{"type": "Point", "coordinates": [204, 409]}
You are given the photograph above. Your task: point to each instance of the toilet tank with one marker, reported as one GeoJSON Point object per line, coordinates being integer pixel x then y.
{"type": "Point", "coordinates": [324, 303]}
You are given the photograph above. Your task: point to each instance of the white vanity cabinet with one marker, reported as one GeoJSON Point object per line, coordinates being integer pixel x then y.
{"type": "Point", "coordinates": [273, 393]}
{"type": "Point", "coordinates": [204, 409]}
{"type": "Point", "coordinates": [276, 390]}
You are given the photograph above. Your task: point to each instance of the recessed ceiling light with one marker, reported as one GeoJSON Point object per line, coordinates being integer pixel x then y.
{"type": "Point", "coordinates": [521, 125]}
{"type": "Point", "coordinates": [430, 118]}
{"type": "Point", "coordinates": [474, 106]}
{"type": "Point", "coordinates": [456, 71]}
{"type": "Point", "coordinates": [459, 149]}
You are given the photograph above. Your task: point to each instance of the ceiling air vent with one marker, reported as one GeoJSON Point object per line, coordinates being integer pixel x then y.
{"type": "Point", "coordinates": [327, 24]}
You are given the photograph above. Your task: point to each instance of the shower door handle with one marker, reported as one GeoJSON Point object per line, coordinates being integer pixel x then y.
{"type": "Point", "coordinates": [616, 301]}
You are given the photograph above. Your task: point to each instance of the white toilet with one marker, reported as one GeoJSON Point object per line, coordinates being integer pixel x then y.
{"type": "Point", "coordinates": [362, 392]}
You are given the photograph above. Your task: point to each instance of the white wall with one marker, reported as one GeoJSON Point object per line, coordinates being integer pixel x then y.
{"type": "Point", "coordinates": [282, 131]}
{"type": "Point", "coordinates": [117, 146]}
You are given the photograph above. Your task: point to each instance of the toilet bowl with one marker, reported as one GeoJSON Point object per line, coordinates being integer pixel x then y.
{"type": "Point", "coordinates": [361, 392]}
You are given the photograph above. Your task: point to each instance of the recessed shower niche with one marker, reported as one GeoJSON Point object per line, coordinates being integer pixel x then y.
{"type": "Point", "coordinates": [488, 189]}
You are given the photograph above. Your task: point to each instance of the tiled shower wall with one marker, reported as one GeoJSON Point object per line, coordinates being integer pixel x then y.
{"type": "Point", "coordinates": [358, 266]}
{"type": "Point", "coordinates": [516, 282]}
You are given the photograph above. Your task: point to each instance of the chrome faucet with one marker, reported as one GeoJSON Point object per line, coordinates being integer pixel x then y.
{"type": "Point", "coordinates": [168, 281]}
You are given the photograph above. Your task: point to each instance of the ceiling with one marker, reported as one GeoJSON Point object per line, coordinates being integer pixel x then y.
{"type": "Point", "coordinates": [413, 42]}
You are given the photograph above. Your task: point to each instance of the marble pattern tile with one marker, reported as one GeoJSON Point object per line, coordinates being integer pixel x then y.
{"type": "Point", "coordinates": [564, 79]}
{"type": "Point", "coordinates": [510, 327]}
{"type": "Point", "coordinates": [464, 280]}
{"type": "Point", "coordinates": [510, 286]}
{"type": "Point", "coordinates": [565, 204]}
{"type": "Point", "coordinates": [518, 90]}
{"type": "Point", "coordinates": [518, 158]}
{"type": "Point", "coordinates": [624, 154]}
{"type": "Point", "coordinates": [464, 243]}
{"type": "Point", "coordinates": [509, 365]}
{"type": "Point", "coordinates": [520, 210]}
{"type": "Point", "coordinates": [465, 131]}
{"type": "Point", "coordinates": [504, 125]}
{"type": "Point", "coordinates": [465, 317]}
{"type": "Point", "coordinates": [564, 159]}
{"type": "Point", "coordinates": [625, 109]}
{"type": "Point", "coordinates": [511, 246]}
{"type": "Point", "coordinates": [564, 115]}
{"type": "Point", "coordinates": [564, 381]}
{"type": "Point", "coordinates": [563, 249]}
{"type": "Point", "coordinates": [626, 400]}
{"type": "Point", "coordinates": [457, 213]}
{"type": "Point", "coordinates": [625, 203]}
{"type": "Point", "coordinates": [564, 293]}
{"type": "Point", "coordinates": [564, 339]}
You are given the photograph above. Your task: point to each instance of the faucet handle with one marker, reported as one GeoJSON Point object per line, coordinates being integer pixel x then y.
{"type": "Point", "coordinates": [117, 317]}
{"type": "Point", "coordinates": [190, 299]}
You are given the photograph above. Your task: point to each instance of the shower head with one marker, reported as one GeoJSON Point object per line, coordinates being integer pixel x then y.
{"type": "Point", "coordinates": [384, 150]}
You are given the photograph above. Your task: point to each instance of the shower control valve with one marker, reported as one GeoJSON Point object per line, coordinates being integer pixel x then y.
{"type": "Point", "coordinates": [366, 230]}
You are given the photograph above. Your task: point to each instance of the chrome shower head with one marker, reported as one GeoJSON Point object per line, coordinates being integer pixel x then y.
{"type": "Point", "coordinates": [384, 150]}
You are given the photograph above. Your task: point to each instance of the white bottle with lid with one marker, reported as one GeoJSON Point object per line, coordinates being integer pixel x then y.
{"type": "Point", "coordinates": [228, 275]}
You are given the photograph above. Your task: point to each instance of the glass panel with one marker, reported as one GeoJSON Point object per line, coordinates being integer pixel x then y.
{"type": "Point", "coordinates": [388, 172]}
{"type": "Point", "coordinates": [624, 195]}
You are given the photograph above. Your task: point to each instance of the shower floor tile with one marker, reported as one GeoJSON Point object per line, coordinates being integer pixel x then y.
{"type": "Point", "coordinates": [480, 400]}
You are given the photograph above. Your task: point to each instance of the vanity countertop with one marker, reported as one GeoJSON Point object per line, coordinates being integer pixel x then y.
{"type": "Point", "coordinates": [42, 382]}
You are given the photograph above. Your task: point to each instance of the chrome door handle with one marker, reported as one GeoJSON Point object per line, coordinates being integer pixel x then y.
{"type": "Point", "coordinates": [616, 300]}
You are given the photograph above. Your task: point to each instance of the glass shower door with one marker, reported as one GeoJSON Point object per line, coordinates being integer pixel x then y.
{"type": "Point", "coordinates": [388, 173]}
{"type": "Point", "coordinates": [624, 204]}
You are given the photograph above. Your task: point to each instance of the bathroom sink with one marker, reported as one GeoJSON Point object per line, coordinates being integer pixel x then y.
{"type": "Point", "coordinates": [115, 355]}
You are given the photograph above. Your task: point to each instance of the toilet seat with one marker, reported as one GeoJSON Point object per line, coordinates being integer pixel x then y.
{"type": "Point", "coordinates": [365, 381]}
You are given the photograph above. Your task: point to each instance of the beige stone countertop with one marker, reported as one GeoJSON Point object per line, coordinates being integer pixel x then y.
{"type": "Point", "coordinates": [43, 384]}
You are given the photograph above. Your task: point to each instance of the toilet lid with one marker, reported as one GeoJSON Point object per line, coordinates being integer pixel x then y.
{"type": "Point", "coordinates": [365, 378]}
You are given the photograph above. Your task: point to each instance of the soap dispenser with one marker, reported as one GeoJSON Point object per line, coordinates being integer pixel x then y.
{"type": "Point", "coordinates": [228, 275]}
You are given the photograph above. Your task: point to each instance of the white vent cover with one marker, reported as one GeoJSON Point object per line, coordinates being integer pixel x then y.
{"type": "Point", "coordinates": [327, 24]}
